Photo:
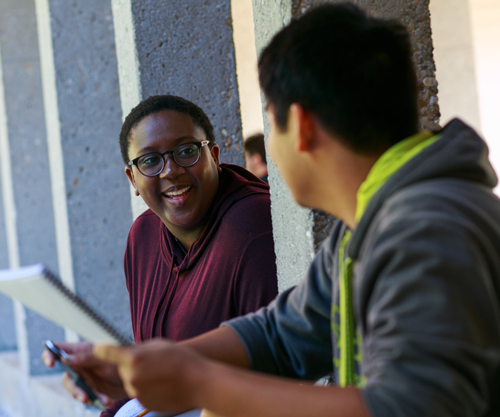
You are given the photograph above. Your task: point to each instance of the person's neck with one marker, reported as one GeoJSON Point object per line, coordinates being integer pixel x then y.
{"type": "Point", "coordinates": [341, 174]}
{"type": "Point", "coordinates": [185, 238]}
{"type": "Point", "coordinates": [261, 171]}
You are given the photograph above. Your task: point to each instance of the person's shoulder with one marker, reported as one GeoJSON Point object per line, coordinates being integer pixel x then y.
{"type": "Point", "coordinates": [250, 211]}
{"type": "Point", "coordinates": [450, 197]}
{"type": "Point", "coordinates": [145, 223]}
{"type": "Point", "coordinates": [235, 178]}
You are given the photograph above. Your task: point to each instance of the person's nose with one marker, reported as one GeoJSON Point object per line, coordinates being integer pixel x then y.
{"type": "Point", "coordinates": [171, 170]}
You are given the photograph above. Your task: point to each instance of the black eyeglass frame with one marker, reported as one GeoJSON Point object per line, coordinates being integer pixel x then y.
{"type": "Point", "coordinates": [199, 145]}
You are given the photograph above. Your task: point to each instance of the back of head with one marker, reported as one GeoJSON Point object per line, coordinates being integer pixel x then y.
{"type": "Point", "coordinates": [352, 71]}
{"type": "Point", "coordinates": [155, 104]}
{"type": "Point", "coordinates": [255, 144]}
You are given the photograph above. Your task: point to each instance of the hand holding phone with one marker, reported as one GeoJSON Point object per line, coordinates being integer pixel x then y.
{"type": "Point", "coordinates": [59, 355]}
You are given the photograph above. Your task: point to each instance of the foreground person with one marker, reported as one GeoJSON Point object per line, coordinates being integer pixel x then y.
{"type": "Point", "coordinates": [401, 304]}
{"type": "Point", "coordinates": [203, 253]}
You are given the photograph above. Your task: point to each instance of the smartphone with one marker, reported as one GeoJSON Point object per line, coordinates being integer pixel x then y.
{"type": "Point", "coordinates": [60, 354]}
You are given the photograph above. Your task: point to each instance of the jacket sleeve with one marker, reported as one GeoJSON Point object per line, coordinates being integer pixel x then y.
{"type": "Point", "coordinates": [291, 336]}
{"type": "Point", "coordinates": [430, 318]}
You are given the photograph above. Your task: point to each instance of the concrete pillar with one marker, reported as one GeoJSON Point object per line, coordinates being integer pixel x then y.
{"type": "Point", "coordinates": [83, 120]}
{"type": "Point", "coordinates": [8, 334]}
{"type": "Point", "coordinates": [183, 48]}
{"type": "Point", "coordinates": [32, 236]}
{"type": "Point", "coordinates": [298, 232]}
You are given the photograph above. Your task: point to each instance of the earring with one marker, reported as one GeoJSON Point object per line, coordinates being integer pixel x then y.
{"type": "Point", "coordinates": [137, 192]}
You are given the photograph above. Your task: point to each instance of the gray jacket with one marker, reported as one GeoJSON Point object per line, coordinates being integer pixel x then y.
{"type": "Point", "coordinates": [426, 292]}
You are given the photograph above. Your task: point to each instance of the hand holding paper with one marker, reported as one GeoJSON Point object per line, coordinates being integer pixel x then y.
{"type": "Point", "coordinates": [38, 289]}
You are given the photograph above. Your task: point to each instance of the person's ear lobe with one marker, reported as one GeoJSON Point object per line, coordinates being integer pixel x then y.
{"type": "Point", "coordinates": [306, 126]}
{"type": "Point", "coordinates": [130, 176]}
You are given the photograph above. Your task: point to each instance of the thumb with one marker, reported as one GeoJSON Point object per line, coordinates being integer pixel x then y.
{"type": "Point", "coordinates": [114, 354]}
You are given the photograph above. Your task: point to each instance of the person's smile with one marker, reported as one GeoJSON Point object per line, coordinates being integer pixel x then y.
{"type": "Point", "coordinates": [177, 194]}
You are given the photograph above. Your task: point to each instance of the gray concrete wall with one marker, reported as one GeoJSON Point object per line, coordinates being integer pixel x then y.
{"type": "Point", "coordinates": [29, 162]}
{"type": "Point", "coordinates": [60, 120]}
{"type": "Point", "coordinates": [96, 189]}
{"type": "Point", "coordinates": [292, 225]}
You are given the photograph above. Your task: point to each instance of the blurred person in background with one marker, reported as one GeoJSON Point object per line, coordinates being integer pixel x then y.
{"type": "Point", "coordinates": [255, 156]}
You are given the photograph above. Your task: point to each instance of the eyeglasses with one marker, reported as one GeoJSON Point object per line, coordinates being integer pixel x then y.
{"type": "Point", "coordinates": [184, 155]}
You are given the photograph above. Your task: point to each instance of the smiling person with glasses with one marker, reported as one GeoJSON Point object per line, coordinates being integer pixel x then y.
{"type": "Point", "coordinates": [203, 253]}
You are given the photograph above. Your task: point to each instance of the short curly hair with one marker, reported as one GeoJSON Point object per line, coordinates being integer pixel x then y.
{"type": "Point", "coordinates": [155, 104]}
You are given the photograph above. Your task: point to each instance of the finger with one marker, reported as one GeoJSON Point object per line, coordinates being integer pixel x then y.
{"type": "Point", "coordinates": [113, 354]}
{"type": "Point", "coordinates": [104, 399]}
{"type": "Point", "coordinates": [74, 389]}
{"type": "Point", "coordinates": [73, 347]}
{"type": "Point", "coordinates": [83, 356]}
{"type": "Point", "coordinates": [48, 358]}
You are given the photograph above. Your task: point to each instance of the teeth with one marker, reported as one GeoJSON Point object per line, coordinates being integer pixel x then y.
{"type": "Point", "coordinates": [177, 192]}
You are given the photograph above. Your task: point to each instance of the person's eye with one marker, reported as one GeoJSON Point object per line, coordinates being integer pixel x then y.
{"type": "Point", "coordinates": [150, 160]}
{"type": "Point", "coordinates": [186, 152]}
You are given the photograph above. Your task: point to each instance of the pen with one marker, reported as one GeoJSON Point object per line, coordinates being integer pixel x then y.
{"type": "Point", "coordinates": [143, 413]}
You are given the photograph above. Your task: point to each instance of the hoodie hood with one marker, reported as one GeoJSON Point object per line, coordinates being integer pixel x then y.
{"type": "Point", "coordinates": [459, 153]}
{"type": "Point", "coordinates": [235, 184]}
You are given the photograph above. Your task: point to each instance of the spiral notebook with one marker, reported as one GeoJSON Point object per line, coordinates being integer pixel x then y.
{"type": "Point", "coordinates": [41, 291]}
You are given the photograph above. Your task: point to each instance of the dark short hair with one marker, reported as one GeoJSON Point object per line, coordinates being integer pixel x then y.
{"type": "Point", "coordinates": [155, 104]}
{"type": "Point", "coordinates": [255, 144]}
{"type": "Point", "coordinates": [353, 72]}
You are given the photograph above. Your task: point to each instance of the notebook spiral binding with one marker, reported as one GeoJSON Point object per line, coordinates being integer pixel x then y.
{"type": "Point", "coordinates": [124, 341]}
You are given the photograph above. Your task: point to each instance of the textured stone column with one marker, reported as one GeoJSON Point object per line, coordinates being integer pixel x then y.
{"type": "Point", "coordinates": [83, 118]}
{"type": "Point", "coordinates": [183, 48]}
{"type": "Point", "coordinates": [292, 225]}
{"type": "Point", "coordinates": [31, 219]}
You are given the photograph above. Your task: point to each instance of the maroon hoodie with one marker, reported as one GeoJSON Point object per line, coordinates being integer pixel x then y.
{"type": "Point", "coordinates": [228, 271]}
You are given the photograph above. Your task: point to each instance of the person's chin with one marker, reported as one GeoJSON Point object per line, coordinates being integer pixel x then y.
{"type": "Point", "coordinates": [185, 220]}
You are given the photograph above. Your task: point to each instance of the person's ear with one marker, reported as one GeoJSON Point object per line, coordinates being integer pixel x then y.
{"type": "Point", "coordinates": [305, 123]}
{"type": "Point", "coordinates": [130, 176]}
{"type": "Point", "coordinates": [215, 152]}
